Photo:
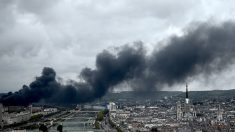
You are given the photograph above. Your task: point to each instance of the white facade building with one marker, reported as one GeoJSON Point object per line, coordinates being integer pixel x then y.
{"type": "Point", "coordinates": [112, 106]}
{"type": "Point", "coordinates": [13, 118]}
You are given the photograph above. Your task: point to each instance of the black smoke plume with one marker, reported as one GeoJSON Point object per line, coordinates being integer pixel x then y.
{"type": "Point", "coordinates": [203, 49]}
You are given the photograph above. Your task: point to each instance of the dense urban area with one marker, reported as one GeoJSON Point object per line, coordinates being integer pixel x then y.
{"type": "Point", "coordinates": [170, 112]}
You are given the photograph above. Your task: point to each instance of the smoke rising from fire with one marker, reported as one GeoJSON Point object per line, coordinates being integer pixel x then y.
{"type": "Point", "coordinates": [203, 49]}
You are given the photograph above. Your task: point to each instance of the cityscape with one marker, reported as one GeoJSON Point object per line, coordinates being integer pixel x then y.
{"type": "Point", "coordinates": [173, 113]}
{"type": "Point", "coordinates": [117, 66]}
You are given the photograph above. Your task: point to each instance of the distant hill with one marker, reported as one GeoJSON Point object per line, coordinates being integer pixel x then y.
{"type": "Point", "coordinates": [156, 95]}
{"type": "Point", "coordinates": [133, 95]}
{"type": "Point", "coordinates": [211, 94]}
{"type": "Point", "coordinates": [161, 94]}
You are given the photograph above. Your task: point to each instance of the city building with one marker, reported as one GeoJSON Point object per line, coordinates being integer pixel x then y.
{"type": "Point", "coordinates": [13, 118]}
{"type": "Point", "coordinates": [185, 110]}
{"type": "Point", "coordinates": [112, 106]}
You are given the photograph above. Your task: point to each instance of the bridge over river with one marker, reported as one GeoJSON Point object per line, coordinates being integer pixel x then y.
{"type": "Point", "coordinates": [79, 121]}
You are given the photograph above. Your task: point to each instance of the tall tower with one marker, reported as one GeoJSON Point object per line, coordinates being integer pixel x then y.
{"type": "Point", "coordinates": [186, 97]}
{"type": "Point", "coordinates": [178, 111]}
{"type": "Point", "coordinates": [219, 114]}
{"type": "Point", "coordinates": [31, 109]}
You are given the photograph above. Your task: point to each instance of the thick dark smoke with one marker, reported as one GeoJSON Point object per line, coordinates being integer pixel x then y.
{"type": "Point", "coordinates": [111, 70]}
{"type": "Point", "coordinates": [203, 49]}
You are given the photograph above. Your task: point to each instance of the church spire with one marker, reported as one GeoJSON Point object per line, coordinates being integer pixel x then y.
{"type": "Point", "coordinates": [186, 90]}
{"type": "Point", "coordinates": [186, 98]}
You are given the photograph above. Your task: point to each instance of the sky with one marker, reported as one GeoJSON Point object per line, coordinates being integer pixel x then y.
{"type": "Point", "coordinates": [67, 35]}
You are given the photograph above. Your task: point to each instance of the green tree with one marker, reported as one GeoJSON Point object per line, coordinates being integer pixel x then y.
{"type": "Point", "coordinates": [100, 116]}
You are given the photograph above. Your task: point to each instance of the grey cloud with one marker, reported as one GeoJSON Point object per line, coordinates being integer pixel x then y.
{"type": "Point", "coordinates": [6, 15]}
{"type": "Point", "coordinates": [35, 6]}
{"type": "Point", "coordinates": [204, 50]}
{"type": "Point", "coordinates": [58, 33]}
